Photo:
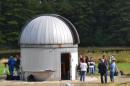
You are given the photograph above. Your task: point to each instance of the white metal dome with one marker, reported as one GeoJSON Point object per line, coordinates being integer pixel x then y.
{"type": "Point", "coordinates": [48, 29]}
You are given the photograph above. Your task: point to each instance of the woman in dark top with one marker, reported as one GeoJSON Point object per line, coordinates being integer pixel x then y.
{"type": "Point", "coordinates": [87, 60]}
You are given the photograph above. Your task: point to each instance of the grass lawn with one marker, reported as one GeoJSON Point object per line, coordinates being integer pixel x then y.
{"type": "Point", "coordinates": [125, 67]}
{"type": "Point", "coordinates": [103, 48]}
{"type": "Point", "coordinates": [121, 57]}
{"type": "Point", "coordinates": [9, 51]}
{"type": "Point", "coordinates": [2, 68]}
{"type": "Point", "coordinates": [81, 49]}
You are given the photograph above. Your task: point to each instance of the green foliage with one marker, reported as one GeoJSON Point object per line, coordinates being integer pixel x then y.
{"type": "Point", "coordinates": [97, 52]}
{"type": "Point", "coordinates": [81, 21]}
{"type": "Point", "coordinates": [12, 22]}
{"type": "Point", "coordinates": [99, 23]}
{"type": "Point", "coordinates": [1, 21]}
{"type": "Point", "coordinates": [119, 23]}
{"type": "Point", "coordinates": [1, 68]}
{"type": "Point", "coordinates": [128, 74]}
{"type": "Point", "coordinates": [1, 40]}
{"type": "Point", "coordinates": [65, 9]}
{"type": "Point", "coordinates": [46, 7]}
{"type": "Point", "coordinates": [7, 72]}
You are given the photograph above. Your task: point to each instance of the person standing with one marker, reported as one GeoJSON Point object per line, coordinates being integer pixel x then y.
{"type": "Point", "coordinates": [112, 70]}
{"type": "Point", "coordinates": [109, 62]}
{"type": "Point", "coordinates": [100, 60]}
{"type": "Point", "coordinates": [80, 58]}
{"type": "Point", "coordinates": [11, 63]}
{"type": "Point", "coordinates": [102, 70]}
{"type": "Point", "coordinates": [83, 67]}
{"type": "Point", "coordinates": [83, 58]}
{"type": "Point", "coordinates": [105, 60]}
{"type": "Point", "coordinates": [91, 66]}
{"type": "Point", "coordinates": [18, 65]}
{"type": "Point", "coordinates": [87, 60]}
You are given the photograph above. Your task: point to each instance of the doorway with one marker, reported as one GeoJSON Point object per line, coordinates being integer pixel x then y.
{"type": "Point", "coordinates": [65, 66]}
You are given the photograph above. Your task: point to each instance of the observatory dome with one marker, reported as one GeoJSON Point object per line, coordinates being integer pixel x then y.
{"type": "Point", "coordinates": [48, 29]}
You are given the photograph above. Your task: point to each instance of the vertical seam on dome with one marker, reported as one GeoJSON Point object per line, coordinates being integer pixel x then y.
{"type": "Point", "coordinates": [23, 37]}
{"type": "Point", "coordinates": [62, 30]}
{"type": "Point", "coordinates": [42, 31]}
{"type": "Point", "coordinates": [34, 34]}
{"type": "Point", "coordinates": [31, 31]}
{"type": "Point", "coordinates": [49, 30]}
{"type": "Point", "coordinates": [46, 31]}
{"type": "Point", "coordinates": [69, 32]}
{"type": "Point", "coordinates": [68, 27]}
{"type": "Point", "coordinates": [56, 39]}
{"type": "Point", "coordinates": [59, 38]}
{"type": "Point", "coordinates": [28, 30]}
{"type": "Point", "coordinates": [38, 28]}
{"type": "Point", "coordinates": [51, 35]}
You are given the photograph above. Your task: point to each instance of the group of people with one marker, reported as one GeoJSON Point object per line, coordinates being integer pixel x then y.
{"type": "Point", "coordinates": [84, 65]}
{"type": "Point", "coordinates": [12, 63]}
{"type": "Point", "coordinates": [104, 64]}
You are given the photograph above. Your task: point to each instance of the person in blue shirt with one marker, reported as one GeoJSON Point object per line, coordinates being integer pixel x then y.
{"type": "Point", "coordinates": [112, 70]}
{"type": "Point", "coordinates": [11, 61]}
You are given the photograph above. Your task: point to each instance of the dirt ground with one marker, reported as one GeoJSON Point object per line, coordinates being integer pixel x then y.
{"type": "Point", "coordinates": [88, 82]}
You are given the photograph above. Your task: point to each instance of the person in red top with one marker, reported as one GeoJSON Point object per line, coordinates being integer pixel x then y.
{"type": "Point", "coordinates": [105, 60]}
{"type": "Point", "coordinates": [82, 59]}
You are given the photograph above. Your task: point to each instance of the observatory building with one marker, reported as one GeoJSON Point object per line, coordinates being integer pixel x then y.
{"type": "Point", "coordinates": [49, 48]}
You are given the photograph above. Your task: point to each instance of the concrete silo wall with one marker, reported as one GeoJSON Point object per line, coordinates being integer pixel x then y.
{"type": "Point", "coordinates": [37, 59]}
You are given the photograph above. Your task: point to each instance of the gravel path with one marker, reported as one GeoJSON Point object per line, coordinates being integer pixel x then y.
{"type": "Point", "coordinates": [88, 82]}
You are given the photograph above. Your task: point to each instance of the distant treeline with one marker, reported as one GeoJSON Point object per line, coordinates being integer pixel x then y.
{"type": "Point", "coordinates": [98, 22]}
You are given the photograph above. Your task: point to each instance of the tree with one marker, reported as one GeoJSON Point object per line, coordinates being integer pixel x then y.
{"type": "Point", "coordinates": [119, 23]}
{"type": "Point", "coordinates": [17, 13]}
{"type": "Point", "coordinates": [80, 20]}
{"type": "Point", "coordinates": [101, 8]}
{"type": "Point", "coordinates": [91, 12]}
{"type": "Point", "coordinates": [44, 8]}
{"type": "Point", "coordinates": [1, 40]}
{"type": "Point", "coordinates": [12, 13]}
{"type": "Point", "coordinates": [66, 9]}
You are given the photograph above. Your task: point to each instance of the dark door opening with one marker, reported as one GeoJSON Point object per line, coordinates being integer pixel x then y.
{"type": "Point", "coordinates": [65, 66]}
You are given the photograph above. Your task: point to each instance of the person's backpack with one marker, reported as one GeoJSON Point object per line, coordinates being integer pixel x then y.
{"type": "Point", "coordinates": [121, 72]}
{"type": "Point", "coordinates": [30, 78]}
{"type": "Point", "coordinates": [8, 77]}
{"type": "Point", "coordinates": [116, 74]}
